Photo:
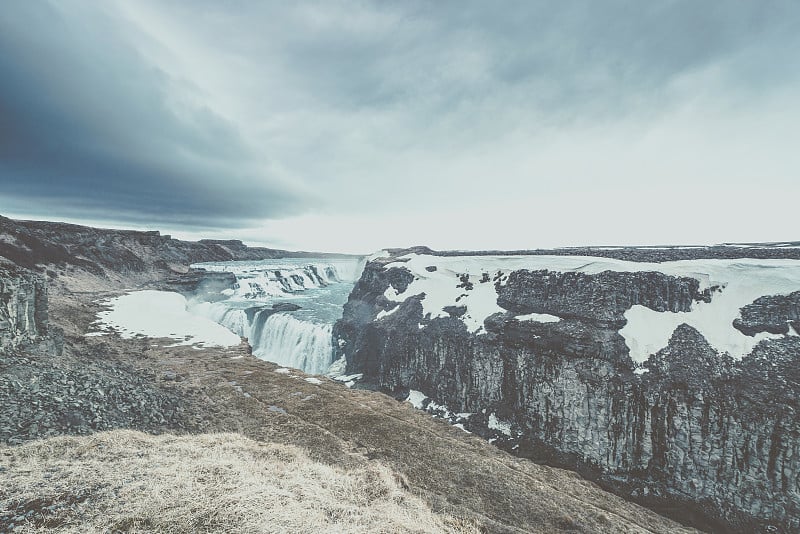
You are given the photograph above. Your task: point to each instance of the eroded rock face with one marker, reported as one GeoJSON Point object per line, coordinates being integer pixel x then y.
{"type": "Point", "coordinates": [23, 307]}
{"type": "Point", "coordinates": [772, 313]}
{"type": "Point", "coordinates": [694, 433]}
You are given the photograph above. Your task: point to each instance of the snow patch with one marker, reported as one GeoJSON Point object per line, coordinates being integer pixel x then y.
{"type": "Point", "coordinates": [386, 313]}
{"type": "Point", "coordinates": [538, 317]}
{"type": "Point", "coordinates": [162, 314]}
{"type": "Point", "coordinates": [742, 281]}
{"type": "Point", "coordinates": [417, 399]}
{"type": "Point", "coordinates": [379, 254]}
{"type": "Point", "coordinates": [501, 426]}
{"type": "Point", "coordinates": [312, 380]}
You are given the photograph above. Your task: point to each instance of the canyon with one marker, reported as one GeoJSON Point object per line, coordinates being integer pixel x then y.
{"type": "Point", "coordinates": [55, 380]}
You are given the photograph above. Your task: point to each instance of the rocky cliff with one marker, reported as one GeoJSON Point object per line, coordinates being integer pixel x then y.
{"type": "Point", "coordinates": [539, 360]}
{"type": "Point", "coordinates": [35, 243]}
{"type": "Point", "coordinates": [23, 307]}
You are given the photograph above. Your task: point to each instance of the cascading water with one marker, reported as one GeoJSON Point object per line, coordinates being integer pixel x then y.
{"type": "Point", "coordinates": [294, 343]}
{"type": "Point", "coordinates": [285, 308]}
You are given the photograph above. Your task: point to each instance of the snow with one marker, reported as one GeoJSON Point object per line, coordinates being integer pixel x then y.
{"type": "Point", "coordinates": [501, 426]}
{"type": "Point", "coordinates": [162, 314]}
{"type": "Point", "coordinates": [312, 380]}
{"type": "Point", "coordinates": [282, 371]}
{"type": "Point", "coordinates": [538, 317]}
{"type": "Point", "coordinates": [741, 281]}
{"type": "Point", "coordinates": [417, 399]}
{"type": "Point", "coordinates": [338, 367]}
{"type": "Point", "coordinates": [386, 313]}
{"type": "Point", "coordinates": [379, 254]}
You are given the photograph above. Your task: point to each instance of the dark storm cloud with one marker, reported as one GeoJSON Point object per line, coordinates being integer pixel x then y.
{"type": "Point", "coordinates": [563, 56]}
{"type": "Point", "coordinates": [89, 128]}
{"type": "Point", "coordinates": [221, 112]}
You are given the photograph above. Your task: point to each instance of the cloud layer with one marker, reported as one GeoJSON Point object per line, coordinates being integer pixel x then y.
{"type": "Point", "coordinates": [525, 124]}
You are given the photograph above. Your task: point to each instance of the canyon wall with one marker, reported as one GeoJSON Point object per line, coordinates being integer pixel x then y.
{"type": "Point", "coordinates": [708, 438]}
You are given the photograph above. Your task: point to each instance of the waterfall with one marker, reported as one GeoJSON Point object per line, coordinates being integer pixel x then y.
{"type": "Point", "coordinates": [233, 319]}
{"type": "Point", "coordinates": [261, 280]}
{"type": "Point", "coordinates": [301, 340]}
{"type": "Point", "coordinates": [288, 341]}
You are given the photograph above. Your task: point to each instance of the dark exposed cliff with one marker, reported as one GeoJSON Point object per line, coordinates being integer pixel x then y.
{"type": "Point", "coordinates": [23, 307]}
{"type": "Point", "coordinates": [695, 433]}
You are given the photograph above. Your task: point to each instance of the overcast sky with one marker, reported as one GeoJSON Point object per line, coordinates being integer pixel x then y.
{"type": "Point", "coordinates": [353, 126]}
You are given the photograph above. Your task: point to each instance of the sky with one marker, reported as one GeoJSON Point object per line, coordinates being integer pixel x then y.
{"type": "Point", "coordinates": [353, 126]}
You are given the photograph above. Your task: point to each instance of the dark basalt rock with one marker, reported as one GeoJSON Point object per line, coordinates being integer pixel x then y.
{"type": "Point", "coordinates": [34, 243]}
{"type": "Point", "coordinates": [708, 440]}
{"type": "Point", "coordinates": [612, 294]}
{"type": "Point", "coordinates": [772, 313]}
{"type": "Point", "coordinates": [207, 285]}
{"type": "Point", "coordinates": [455, 311]}
{"type": "Point", "coordinates": [23, 307]}
{"type": "Point", "coordinates": [286, 307]}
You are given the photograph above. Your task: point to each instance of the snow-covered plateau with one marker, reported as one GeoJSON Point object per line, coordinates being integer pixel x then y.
{"type": "Point", "coordinates": [469, 282]}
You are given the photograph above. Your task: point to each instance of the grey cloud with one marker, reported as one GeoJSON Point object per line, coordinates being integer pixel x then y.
{"type": "Point", "coordinates": [358, 101]}
{"type": "Point", "coordinates": [87, 126]}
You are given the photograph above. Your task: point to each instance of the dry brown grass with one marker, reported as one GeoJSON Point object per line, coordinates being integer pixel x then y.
{"type": "Point", "coordinates": [134, 482]}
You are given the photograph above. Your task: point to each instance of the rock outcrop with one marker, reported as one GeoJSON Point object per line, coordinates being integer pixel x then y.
{"type": "Point", "coordinates": [775, 314]}
{"type": "Point", "coordinates": [23, 307]}
{"type": "Point", "coordinates": [692, 432]}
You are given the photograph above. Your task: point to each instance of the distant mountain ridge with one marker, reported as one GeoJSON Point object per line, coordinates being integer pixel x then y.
{"type": "Point", "coordinates": [31, 243]}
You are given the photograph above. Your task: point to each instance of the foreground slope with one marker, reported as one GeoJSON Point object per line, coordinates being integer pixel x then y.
{"type": "Point", "coordinates": [199, 483]}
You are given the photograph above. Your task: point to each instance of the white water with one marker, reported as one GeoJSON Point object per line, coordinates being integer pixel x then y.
{"type": "Point", "coordinates": [261, 280]}
{"type": "Point", "coordinates": [294, 343]}
{"type": "Point", "coordinates": [300, 339]}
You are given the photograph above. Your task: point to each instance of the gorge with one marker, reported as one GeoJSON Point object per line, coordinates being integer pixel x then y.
{"type": "Point", "coordinates": [666, 375]}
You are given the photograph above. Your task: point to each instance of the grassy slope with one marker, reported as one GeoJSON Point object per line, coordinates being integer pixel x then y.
{"type": "Point", "coordinates": [128, 481]}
